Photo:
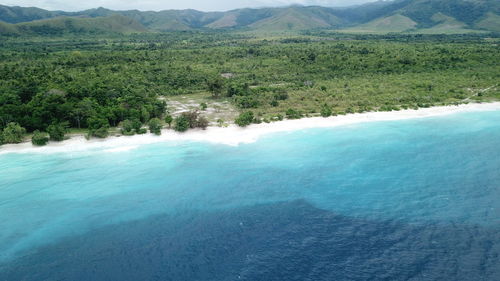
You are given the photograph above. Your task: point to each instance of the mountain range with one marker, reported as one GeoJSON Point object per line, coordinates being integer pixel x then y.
{"type": "Point", "coordinates": [417, 16]}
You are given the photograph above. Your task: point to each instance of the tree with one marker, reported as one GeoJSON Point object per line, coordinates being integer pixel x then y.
{"type": "Point", "coordinates": [47, 108]}
{"type": "Point", "coordinates": [83, 110]}
{"type": "Point", "coordinates": [155, 126]}
{"type": "Point", "coordinates": [97, 122]}
{"type": "Point", "coordinates": [169, 119]}
{"type": "Point", "coordinates": [215, 86]}
{"type": "Point", "coordinates": [145, 116]}
{"type": "Point", "coordinates": [39, 138]}
{"type": "Point", "coordinates": [311, 56]}
{"type": "Point", "coordinates": [57, 131]}
{"type": "Point", "coordinates": [245, 119]}
{"type": "Point", "coordinates": [13, 133]}
{"type": "Point", "coordinates": [181, 123]}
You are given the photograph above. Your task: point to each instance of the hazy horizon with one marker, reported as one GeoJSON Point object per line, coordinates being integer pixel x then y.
{"type": "Point", "coordinates": [157, 5]}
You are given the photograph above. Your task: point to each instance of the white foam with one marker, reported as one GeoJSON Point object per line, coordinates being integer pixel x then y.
{"type": "Point", "coordinates": [122, 149]}
{"type": "Point", "coordinates": [234, 135]}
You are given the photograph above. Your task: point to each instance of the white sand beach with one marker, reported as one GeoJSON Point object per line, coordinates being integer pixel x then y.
{"type": "Point", "coordinates": [234, 135]}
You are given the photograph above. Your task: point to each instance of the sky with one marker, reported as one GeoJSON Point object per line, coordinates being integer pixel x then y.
{"type": "Point", "coordinates": [157, 5]}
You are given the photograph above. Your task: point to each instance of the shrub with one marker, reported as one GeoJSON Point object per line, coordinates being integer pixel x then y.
{"type": "Point", "coordinates": [238, 90]}
{"type": "Point", "coordinates": [246, 102]}
{"type": "Point", "coordinates": [194, 120]}
{"type": "Point", "coordinates": [155, 126]}
{"type": "Point", "coordinates": [245, 119]}
{"type": "Point", "coordinates": [202, 122]}
{"type": "Point", "coordinates": [203, 106]}
{"type": "Point", "coordinates": [293, 114]}
{"type": "Point", "coordinates": [129, 133]}
{"type": "Point", "coordinates": [13, 133]}
{"type": "Point", "coordinates": [57, 131]}
{"type": "Point", "coordinates": [98, 127]}
{"type": "Point", "coordinates": [181, 123]}
{"type": "Point", "coordinates": [136, 123]}
{"type": "Point", "coordinates": [220, 122]}
{"type": "Point", "coordinates": [142, 131]}
{"type": "Point", "coordinates": [281, 96]}
{"type": "Point", "coordinates": [127, 128]}
{"type": "Point", "coordinates": [192, 117]}
{"type": "Point", "coordinates": [326, 111]}
{"type": "Point", "coordinates": [101, 133]}
{"type": "Point", "coordinates": [39, 138]}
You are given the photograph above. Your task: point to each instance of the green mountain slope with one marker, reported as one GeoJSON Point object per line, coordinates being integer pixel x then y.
{"type": "Point", "coordinates": [298, 18]}
{"type": "Point", "coordinates": [272, 19]}
{"type": "Point", "coordinates": [163, 20]}
{"type": "Point", "coordinates": [466, 11]}
{"type": "Point", "coordinates": [446, 25]}
{"type": "Point", "coordinates": [21, 14]}
{"type": "Point", "coordinates": [430, 16]}
{"type": "Point", "coordinates": [394, 23]}
{"type": "Point", "coordinates": [8, 29]}
{"type": "Point", "coordinates": [242, 17]}
{"type": "Point", "coordinates": [421, 16]}
{"type": "Point", "coordinates": [173, 19]}
{"type": "Point", "coordinates": [72, 25]}
{"type": "Point", "coordinates": [490, 22]}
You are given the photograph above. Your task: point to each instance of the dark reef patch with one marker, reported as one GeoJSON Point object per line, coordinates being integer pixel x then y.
{"type": "Point", "coordinates": [284, 241]}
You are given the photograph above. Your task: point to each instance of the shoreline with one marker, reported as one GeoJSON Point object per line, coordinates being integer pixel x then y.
{"type": "Point", "coordinates": [234, 135]}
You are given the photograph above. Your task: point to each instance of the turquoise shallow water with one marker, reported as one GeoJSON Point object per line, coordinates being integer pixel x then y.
{"type": "Point", "coordinates": [410, 199]}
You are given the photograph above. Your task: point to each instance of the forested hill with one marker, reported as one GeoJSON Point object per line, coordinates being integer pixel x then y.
{"type": "Point", "coordinates": [74, 25]}
{"type": "Point", "coordinates": [426, 16]}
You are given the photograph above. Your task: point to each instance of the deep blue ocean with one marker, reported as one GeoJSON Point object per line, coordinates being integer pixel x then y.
{"type": "Point", "coordinates": [415, 199]}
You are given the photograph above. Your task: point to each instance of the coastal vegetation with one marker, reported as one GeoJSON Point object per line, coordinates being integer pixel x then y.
{"type": "Point", "coordinates": [39, 138]}
{"type": "Point", "coordinates": [100, 83]}
{"type": "Point", "coordinates": [57, 131]}
{"type": "Point", "coordinates": [244, 119]}
{"type": "Point", "coordinates": [12, 133]}
{"type": "Point", "coordinates": [155, 126]}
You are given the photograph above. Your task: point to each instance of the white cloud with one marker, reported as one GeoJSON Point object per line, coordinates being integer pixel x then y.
{"type": "Point", "coordinates": [204, 5]}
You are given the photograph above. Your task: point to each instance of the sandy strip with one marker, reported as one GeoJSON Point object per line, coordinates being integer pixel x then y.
{"type": "Point", "coordinates": [234, 135]}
